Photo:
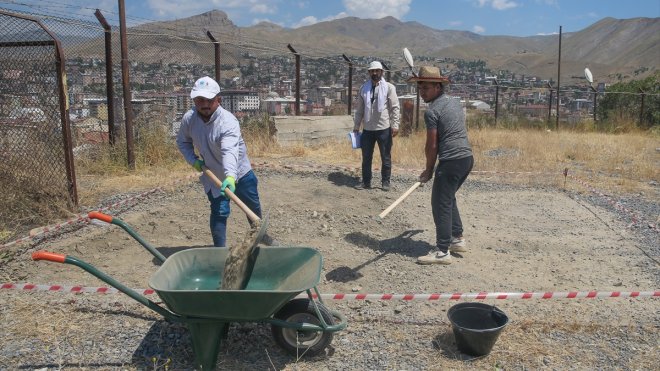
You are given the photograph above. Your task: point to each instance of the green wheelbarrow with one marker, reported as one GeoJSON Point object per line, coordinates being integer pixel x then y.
{"type": "Point", "coordinates": [187, 282]}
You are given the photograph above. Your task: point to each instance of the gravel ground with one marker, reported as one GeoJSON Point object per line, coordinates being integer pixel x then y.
{"type": "Point", "coordinates": [533, 237]}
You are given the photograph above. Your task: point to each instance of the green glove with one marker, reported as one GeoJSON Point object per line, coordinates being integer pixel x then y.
{"type": "Point", "coordinates": [198, 165]}
{"type": "Point", "coordinates": [228, 182]}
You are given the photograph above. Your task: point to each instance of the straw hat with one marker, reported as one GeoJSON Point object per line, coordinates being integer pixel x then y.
{"type": "Point", "coordinates": [429, 73]}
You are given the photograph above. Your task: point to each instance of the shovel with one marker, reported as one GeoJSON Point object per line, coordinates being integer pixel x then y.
{"type": "Point", "coordinates": [241, 258]}
{"type": "Point", "coordinates": [398, 200]}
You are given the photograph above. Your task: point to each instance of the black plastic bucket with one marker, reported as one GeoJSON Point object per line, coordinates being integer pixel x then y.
{"type": "Point", "coordinates": [476, 327]}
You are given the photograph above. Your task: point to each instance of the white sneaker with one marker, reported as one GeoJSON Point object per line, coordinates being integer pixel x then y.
{"type": "Point", "coordinates": [435, 257]}
{"type": "Point", "coordinates": [458, 245]}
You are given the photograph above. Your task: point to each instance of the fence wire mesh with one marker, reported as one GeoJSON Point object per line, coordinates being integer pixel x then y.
{"type": "Point", "coordinates": [32, 135]}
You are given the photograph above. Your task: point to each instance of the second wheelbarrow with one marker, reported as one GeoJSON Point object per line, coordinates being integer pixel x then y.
{"type": "Point", "coordinates": [187, 282]}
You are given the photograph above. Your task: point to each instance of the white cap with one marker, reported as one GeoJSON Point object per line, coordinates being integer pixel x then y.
{"type": "Point", "coordinates": [375, 65]}
{"type": "Point", "coordinates": [205, 87]}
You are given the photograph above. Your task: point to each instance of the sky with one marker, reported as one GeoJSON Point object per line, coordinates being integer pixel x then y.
{"type": "Point", "coordinates": [484, 17]}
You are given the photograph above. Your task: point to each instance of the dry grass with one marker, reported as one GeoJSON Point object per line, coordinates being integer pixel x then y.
{"type": "Point", "coordinates": [621, 163]}
{"type": "Point", "coordinates": [615, 163]}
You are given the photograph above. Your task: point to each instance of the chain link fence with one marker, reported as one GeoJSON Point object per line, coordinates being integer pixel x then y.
{"type": "Point", "coordinates": [35, 141]}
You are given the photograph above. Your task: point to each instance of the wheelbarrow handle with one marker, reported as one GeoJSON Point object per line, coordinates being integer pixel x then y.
{"type": "Point", "coordinates": [251, 215]}
{"type": "Point", "coordinates": [100, 216]}
{"type": "Point", "coordinates": [50, 256]}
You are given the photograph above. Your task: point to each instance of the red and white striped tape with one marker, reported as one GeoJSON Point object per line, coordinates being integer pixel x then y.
{"type": "Point", "coordinates": [382, 297]}
{"type": "Point", "coordinates": [69, 289]}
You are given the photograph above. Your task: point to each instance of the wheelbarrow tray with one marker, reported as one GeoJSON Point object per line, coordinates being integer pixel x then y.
{"type": "Point", "coordinates": [188, 282]}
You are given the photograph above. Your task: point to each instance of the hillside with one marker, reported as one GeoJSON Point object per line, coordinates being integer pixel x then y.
{"type": "Point", "coordinates": [629, 47]}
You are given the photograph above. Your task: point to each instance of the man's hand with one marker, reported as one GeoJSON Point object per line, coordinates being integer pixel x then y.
{"type": "Point", "coordinates": [395, 132]}
{"type": "Point", "coordinates": [198, 164]}
{"type": "Point", "coordinates": [426, 176]}
{"type": "Point", "coordinates": [228, 182]}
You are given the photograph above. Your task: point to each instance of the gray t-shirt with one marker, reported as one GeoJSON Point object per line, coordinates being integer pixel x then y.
{"type": "Point", "coordinates": [446, 115]}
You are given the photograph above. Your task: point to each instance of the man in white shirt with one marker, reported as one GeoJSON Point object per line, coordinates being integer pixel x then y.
{"type": "Point", "coordinates": [377, 112]}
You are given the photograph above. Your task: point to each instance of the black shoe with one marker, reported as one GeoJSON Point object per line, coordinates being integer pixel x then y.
{"type": "Point", "coordinates": [386, 186]}
{"type": "Point", "coordinates": [363, 186]}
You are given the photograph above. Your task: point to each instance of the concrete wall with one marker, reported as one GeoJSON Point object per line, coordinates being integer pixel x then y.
{"type": "Point", "coordinates": [311, 130]}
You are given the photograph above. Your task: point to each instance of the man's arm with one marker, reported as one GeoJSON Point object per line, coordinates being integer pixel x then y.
{"type": "Point", "coordinates": [431, 153]}
{"type": "Point", "coordinates": [184, 141]}
{"type": "Point", "coordinates": [359, 111]}
{"type": "Point", "coordinates": [230, 146]}
{"type": "Point", "coordinates": [393, 106]}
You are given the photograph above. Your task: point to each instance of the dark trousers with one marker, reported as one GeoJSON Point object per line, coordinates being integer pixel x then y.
{"type": "Point", "coordinates": [246, 191]}
{"type": "Point", "coordinates": [449, 176]}
{"type": "Point", "coordinates": [368, 141]}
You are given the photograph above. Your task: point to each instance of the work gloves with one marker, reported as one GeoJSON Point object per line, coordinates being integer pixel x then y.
{"type": "Point", "coordinates": [198, 165]}
{"type": "Point", "coordinates": [228, 182]}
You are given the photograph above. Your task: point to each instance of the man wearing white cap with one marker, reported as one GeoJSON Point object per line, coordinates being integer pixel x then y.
{"type": "Point", "coordinates": [378, 110]}
{"type": "Point", "coordinates": [216, 135]}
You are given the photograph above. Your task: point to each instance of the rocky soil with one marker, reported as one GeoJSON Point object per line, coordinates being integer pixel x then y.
{"type": "Point", "coordinates": [521, 238]}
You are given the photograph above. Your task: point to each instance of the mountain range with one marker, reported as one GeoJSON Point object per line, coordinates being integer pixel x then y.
{"type": "Point", "coordinates": [613, 49]}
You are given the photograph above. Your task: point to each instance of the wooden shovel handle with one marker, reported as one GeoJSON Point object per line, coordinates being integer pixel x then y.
{"type": "Point", "coordinates": [251, 215]}
{"type": "Point", "coordinates": [398, 200]}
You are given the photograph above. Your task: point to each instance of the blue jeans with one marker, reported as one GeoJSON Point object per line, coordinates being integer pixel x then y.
{"type": "Point", "coordinates": [368, 141]}
{"type": "Point", "coordinates": [449, 176]}
{"type": "Point", "coordinates": [246, 191]}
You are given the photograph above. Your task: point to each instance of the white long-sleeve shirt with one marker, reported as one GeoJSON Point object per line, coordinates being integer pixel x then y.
{"type": "Point", "coordinates": [389, 117]}
{"type": "Point", "coordinates": [218, 142]}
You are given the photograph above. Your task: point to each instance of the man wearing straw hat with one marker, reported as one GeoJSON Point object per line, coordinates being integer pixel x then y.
{"type": "Point", "coordinates": [446, 141]}
{"type": "Point", "coordinates": [378, 107]}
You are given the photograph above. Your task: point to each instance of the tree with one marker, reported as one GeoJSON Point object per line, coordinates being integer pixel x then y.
{"type": "Point", "coordinates": [623, 100]}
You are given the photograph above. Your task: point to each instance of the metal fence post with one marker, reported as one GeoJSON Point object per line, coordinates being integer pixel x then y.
{"type": "Point", "coordinates": [641, 109]}
{"type": "Point", "coordinates": [550, 103]}
{"type": "Point", "coordinates": [297, 78]}
{"type": "Point", "coordinates": [497, 96]}
{"type": "Point", "coordinates": [216, 46]}
{"type": "Point", "coordinates": [558, 76]}
{"type": "Point", "coordinates": [350, 84]}
{"type": "Point", "coordinates": [109, 85]}
{"type": "Point", "coordinates": [126, 86]}
{"type": "Point", "coordinates": [387, 73]}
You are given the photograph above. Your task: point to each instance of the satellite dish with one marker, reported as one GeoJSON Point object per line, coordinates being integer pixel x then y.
{"type": "Point", "coordinates": [588, 75]}
{"type": "Point", "coordinates": [409, 59]}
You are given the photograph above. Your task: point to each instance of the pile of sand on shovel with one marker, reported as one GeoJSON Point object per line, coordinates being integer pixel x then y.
{"type": "Point", "coordinates": [238, 258]}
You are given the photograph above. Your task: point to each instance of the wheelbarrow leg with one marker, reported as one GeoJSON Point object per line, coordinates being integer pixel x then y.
{"type": "Point", "coordinates": [206, 339]}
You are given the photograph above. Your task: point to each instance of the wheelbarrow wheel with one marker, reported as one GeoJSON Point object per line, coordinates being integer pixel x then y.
{"type": "Point", "coordinates": [297, 342]}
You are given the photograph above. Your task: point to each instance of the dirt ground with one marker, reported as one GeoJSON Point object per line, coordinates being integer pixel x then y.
{"type": "Point", "coordinates": [539, 238]}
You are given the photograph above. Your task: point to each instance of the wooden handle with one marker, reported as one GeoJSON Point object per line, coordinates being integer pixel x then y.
{"type": "Point", "coordinates": [252, 216]}
{"type": "Point", "coordinates": [398, 200]}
